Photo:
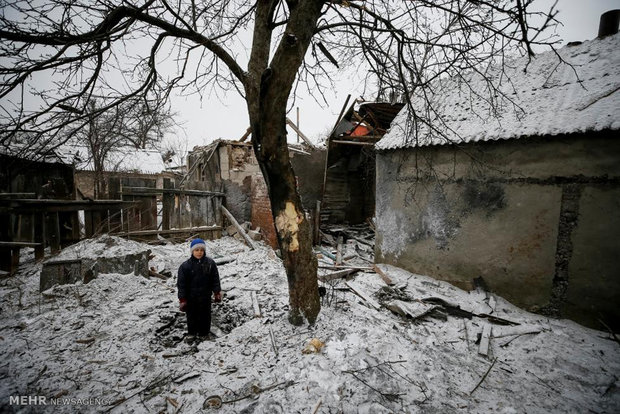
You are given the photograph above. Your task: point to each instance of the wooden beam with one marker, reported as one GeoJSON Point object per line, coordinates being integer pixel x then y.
{"type": "Point", "coordinates": [334, 267]}
{"type": "Point", "coordinates": [248, 132]}
{"type": "Point", "coordinates": [339, 141]}
{"type": "Point", "coordinates": [255, 304]}
{"type": "Point", "coordinates": [156, 191]}
{"type": "Point", "coordinates": [234, 222]}
{"type": "Point", "coordinates": [382, 274]}
{"type": "Point", "coordinates": [485, 338]}
{"type": "Point", "coordinates": [337, 275]}
{"type": "Point", "coordinates": [357, 289]}
{"type": "Point", "coordinates": [306, 140]}
{"type": "Point", "coordinates": [171, 231]}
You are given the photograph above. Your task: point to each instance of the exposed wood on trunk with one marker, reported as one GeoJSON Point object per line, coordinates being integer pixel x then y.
{"type": "Point", "coordinates": [357, 289]}
{"type": "Point", "coordinates": [242, 232]}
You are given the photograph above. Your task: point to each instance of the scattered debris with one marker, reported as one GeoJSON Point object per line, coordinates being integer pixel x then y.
{"type": "Point", "coordinates": [313, 347]}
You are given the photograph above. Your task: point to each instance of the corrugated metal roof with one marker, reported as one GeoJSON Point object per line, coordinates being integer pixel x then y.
{"type": "Point", "coordinates": [543, 97]}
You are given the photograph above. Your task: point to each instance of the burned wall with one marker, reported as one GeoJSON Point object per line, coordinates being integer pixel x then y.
{"type": "Point", "coordinates": [535, 217]}
{"type": "Point", "coordinates": [19, 175]}
{"type": "Point", "coordinates": [309, 170]}
{"type": "Point", "coordinates": [349, 195]}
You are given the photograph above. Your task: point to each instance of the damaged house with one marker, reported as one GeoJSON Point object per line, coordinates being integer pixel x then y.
{"type": "Point", "coordinates": [525, 199]}
{"type": "Point", "coordinates": [349, 179]}
{"type": "Point", "coordinates": [231, 168]}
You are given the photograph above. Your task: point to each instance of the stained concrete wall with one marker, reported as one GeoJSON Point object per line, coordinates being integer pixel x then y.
{"type": "Point", "coordinates": [537, 218]}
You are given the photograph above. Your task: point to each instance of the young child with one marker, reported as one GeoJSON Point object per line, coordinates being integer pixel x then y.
{"type": "Point", "coordinates": [197, 278]}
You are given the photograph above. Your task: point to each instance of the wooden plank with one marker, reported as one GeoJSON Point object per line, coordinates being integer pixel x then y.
{"type": "Point", "coordinates": [301, 134]}
{"type": "Point", "coordinates": [317, 222]}
{"type": "Point", "coordinates": [357, 289]}
{"type": "Point", "coordinates": [234, 222]}
{"type": "Point", "coordinates": [255, 304]}
{"type": "Point", "coordinates": [483, 348]}
{"type": "Point", "coordinates": [334, 267]}
{"type": "Point", "coordinates": [245, 136]}
{"type": "Point", "coordinates": [338, 251]}
{"type": "Point", "coordinates": [18, 244]}
{"type": "Point", "coordinates": [340, 141]}
{"type": "Point", "coordinates": [156, 191]}
{"type": "Point", "coordinates": [337, 275]}
{"type": "Point", "coordinates": [171, 231]}
{"type": "Point", "coordinates": [382, 274]}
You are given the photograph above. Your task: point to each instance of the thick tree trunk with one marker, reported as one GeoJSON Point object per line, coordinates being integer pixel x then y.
{"type": "Point", "coordinates": [268, 85]}
{"type": "Point", "coordinates": [292, 227]}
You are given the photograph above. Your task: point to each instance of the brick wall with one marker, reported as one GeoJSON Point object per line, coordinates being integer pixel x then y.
{"type": "Point", "coordinates": [261, 210]}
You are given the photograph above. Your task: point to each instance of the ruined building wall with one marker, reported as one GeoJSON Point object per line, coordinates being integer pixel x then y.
{"type": "Point", "coordinates": [537, 218]}
{"type": "Point", "coordinates": [309, 170]}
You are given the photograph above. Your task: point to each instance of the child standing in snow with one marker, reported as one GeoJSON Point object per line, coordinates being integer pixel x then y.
{"type": "Point", "coordinates": [197, 278]}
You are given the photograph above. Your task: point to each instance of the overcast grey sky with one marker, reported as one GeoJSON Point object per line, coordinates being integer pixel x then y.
{"type": "Point", "coordinates": [227, 118]}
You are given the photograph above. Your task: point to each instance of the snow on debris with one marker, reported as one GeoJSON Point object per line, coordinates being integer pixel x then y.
{"type": "Point", "coordinates": [544, 97]}
{"type": "Point", "coordinates": [117, 345]}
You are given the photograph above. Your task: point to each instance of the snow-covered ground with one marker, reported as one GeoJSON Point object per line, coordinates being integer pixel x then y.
{"type": "Point", "coordinates": [116, 345]}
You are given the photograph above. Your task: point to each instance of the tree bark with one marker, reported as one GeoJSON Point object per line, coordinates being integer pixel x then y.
{"type": "Point", "coordinates": [267, 92]}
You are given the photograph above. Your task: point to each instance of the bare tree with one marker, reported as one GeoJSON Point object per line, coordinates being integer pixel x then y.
{"type": "Point", "coordinates": [148, 122]}
{"type": "Point", "coordinates": [83, 44]}
{"type": "Point", "coordinates": [101, 135]}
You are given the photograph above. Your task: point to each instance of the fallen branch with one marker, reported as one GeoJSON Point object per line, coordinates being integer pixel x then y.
{"type": "Point", "coordinates": [147, 388]}
{"type": "Point", "coordinates": [483, 377]}
{"type": "Point", "coordinates": [317, 406]}
{"type": "Point", "coordinates": [610, 331]}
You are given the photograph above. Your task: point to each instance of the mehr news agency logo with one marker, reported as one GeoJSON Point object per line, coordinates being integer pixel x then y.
{"type": "Point", "coordinates": [43, 400]}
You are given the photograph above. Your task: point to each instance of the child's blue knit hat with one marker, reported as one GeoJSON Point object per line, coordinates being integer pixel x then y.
{"type": "Point", "coordinates": [197, 243]}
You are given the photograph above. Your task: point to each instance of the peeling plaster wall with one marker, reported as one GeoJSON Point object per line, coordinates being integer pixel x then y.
{"type": "Point", "coordinates": [537, 218]}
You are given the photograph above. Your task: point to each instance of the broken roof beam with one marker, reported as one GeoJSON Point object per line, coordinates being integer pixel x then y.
{"type": "Point", "coordinates": [245, 136]}
{"type": "Point", "coordinates": [301, 134]}
{"type": "Point", "coordinates": [242, 232]}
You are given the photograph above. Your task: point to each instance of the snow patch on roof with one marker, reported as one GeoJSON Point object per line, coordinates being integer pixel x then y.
{"type": "Point", "coordinates": [541, 97]}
